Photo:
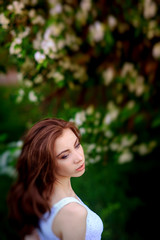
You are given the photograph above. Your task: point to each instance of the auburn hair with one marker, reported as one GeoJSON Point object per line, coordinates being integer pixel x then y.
{"type": "Point", "coordinates": [29, 196]}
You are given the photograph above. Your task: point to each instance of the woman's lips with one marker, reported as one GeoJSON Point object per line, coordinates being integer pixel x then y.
{"type": "Point", "coordinates": [81, 167]}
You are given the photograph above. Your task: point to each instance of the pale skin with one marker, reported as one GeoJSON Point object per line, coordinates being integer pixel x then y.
{"type": "Point", "coordinates": [70, 222]}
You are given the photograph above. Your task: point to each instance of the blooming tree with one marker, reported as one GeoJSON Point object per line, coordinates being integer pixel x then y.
{"type": "Point", "coordinates": [105, 56]}
{"type": "Point", "coordinates": [95, 63]}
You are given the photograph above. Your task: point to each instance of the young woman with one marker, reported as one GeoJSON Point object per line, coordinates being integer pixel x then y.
{"type": "Point", "coordinates": [42, 202]}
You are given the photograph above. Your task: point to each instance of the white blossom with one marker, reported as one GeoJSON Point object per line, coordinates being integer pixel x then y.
{"type": "Point", "coordinates": [20, 95]}
{"type": "Point", "coordinates": [8, 170]}
{"type": "Point", "coordinates": [28, 83]}
{"type": "Point", "coordinates": [81, 16]}
{"type": "Point", "coordinates": [97, 31]}
{"type": "Point", "coordinates": [57, 9]}
{"type": "Point", "coordinates": [32, 13]}
{"type": "Point", "coordinates": [51, 73]}
{"type": "Point", "coordinates": [107, 119]}
{"type": "Point", "coordinates": [137, 85]}
{"type": "Point", "coordinates": [145, 148]}
{"type": "Point", "coordinates": [108, 134]}
{"type": "Point", "coordinates": [37, 41]}
{"type": "Point", "coordinates": [126, 156]}
{"type": "Point", "coordinates": [16, 7]}
{"type": "Point", "coordinates": [13, 33]}
{"type": "Point", "coordinates": [58, 77]}
{"type": "Point", "coordinates": [20, 77]}
{"type": "Point", "coordinates": [60, 44]}
{"type": "Point", "coordinates": [4, 158]}
{"type": "Point", "coordinates": [91, 160]}
{"type": "Point", "coordinates": [65, 63]}
{"type": "Point", "coordinates": [134, 82]}
{"type": "Point", "coordinates": [4, 21]}
{"type": "Point", "coordinates": [156, 50]}
{"type": "Point", "coordinates": [33, 2]}
{"type": "Point", "coordinates": [80, 74]}
{"type": "Point", "coordinates": [15, 47]}
{"type": "Point", "coordinates": [39, 57]}
{"type": "Point", "coordinates": [90, 110]}
{"type": "Point", "coordinates": [91, 147]}
{"type": "Point", "coordinates": [150, 9]}
{"type": "Point", "coordinates": [152, 30]}
{"type": "Point", "coordinates": [32, 96]}
{"type": "Point", "coordinates": [142, 149]}
{"type": "Point", "coordinates": [82, 131]}
{"type": "Point", "coordinates": [48, 46]}
{"type": "Point", "coordinates": [53, 30]}
{"type": "Point", "coordinates": [38, 79]}
{"type": "Point", "coordinates": [10, 7]}
{"type": "Point", "coordinates": [38, 20]}
{"type": "Point", "coordinates": [19, 143]}
{"type": "Point", "coordinates": [127, 68]}
{"type": "Point", "coordinates": [85, 5]}
{"type": "Point", "coordinates": [112, 22]}
{"type": "Point", "coordinates": [130, 104]}
{"type": "Point", "coordinates": [114, 146]}
{"type": "Point", "coordinates": [72, 41]}
{"type": "Point", "coordinates": [108, 75]}
{"type": "Point", "coordinates": [80, 118]}
{"type": "Point", "coordinates": [99, 149]}
{"type": "Point", "coordinates": [127, 141]}
{"type": "Point", "coordinates": [24, 34]}
{"type": "Point", "coordinates": [111, 116]}
{"type": "Point", "coordinates": [140, 86]}
{"type": "Point", "coordinates": [97, 158]}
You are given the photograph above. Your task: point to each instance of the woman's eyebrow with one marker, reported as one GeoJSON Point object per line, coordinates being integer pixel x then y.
{"type": "Point", "coordinates": [62, 152]}
{"type": "Point", "coordinates": [67, 149]}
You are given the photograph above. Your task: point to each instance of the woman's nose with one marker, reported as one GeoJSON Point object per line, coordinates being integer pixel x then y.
{"type": "Point", "coordinates": [78, 157]}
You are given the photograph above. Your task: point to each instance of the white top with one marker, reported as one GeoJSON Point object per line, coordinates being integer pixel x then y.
{"type": "Point", "coordinates": [94, 225]}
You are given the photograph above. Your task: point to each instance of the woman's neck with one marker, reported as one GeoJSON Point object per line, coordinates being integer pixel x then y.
{"type": "Point", "coordinates": [62, 188]}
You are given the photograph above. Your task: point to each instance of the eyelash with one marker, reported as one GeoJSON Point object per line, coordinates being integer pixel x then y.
{"type": "Point", "coordinates": [77, 146]}
{"type": "Point", "coordinates": [65, 156]}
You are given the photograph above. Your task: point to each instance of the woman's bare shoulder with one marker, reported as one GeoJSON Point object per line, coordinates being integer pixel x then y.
{"type": "Point", "coordinates": [71, 216]}
{"type": "Point", "coordinates": [74, 209]}
{"type": "Point", "coordinates": [71, 211]}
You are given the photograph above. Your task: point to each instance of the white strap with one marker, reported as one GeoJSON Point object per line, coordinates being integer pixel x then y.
{"type": "Point", "coordinates": [49, 218]}
{"type": "Point", "coordinates": [59, 205]}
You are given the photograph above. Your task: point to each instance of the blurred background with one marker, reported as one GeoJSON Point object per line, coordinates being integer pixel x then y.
{"type": "Point", "coordinates": [95, 63]}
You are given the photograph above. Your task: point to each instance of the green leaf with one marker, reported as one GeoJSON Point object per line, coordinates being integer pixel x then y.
{"type": "Point", "coordinates": [156, 122]}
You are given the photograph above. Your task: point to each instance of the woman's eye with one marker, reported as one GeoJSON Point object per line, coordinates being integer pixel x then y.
{"type": "Point", "coordinates": [64, 157]}
{"type": "Point", "coordinates": [77, 146]}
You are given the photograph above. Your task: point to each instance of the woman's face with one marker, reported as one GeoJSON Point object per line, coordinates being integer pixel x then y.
{"type": "Point", "coordinates": [69, 155]}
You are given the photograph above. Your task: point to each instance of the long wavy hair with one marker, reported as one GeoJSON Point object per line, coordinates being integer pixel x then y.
{"type": "Point", "coordinates": [29, 196]}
